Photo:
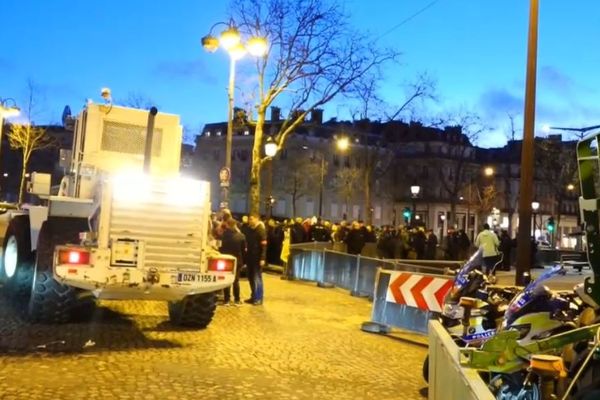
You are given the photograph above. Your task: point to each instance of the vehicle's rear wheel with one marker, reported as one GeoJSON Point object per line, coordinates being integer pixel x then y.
{"type": "Point", "coordinates": [51, 301]}
{"type": "Point", "coordinates": [16, 269]}
{"type": "Point", "coordinates": [194, 311]}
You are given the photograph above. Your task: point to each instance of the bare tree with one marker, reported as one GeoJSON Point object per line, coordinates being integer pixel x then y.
{"type": "Point", "coordinates": [347, 182]}
{"type": "Point", "coordinates": [298, 179]}
{"type": "Point", "coordinates": [314, 56]}
{"type": "Point", "coordinates": [137, 100]}
{"type": "Point", "coordinates": [462, 130]}
{"type": "Point", "coordinates": [28, 139]}
{"type": "Point", "coordinates": [556, 167]}
{"type": "Point", "coordinates": [377, 152]}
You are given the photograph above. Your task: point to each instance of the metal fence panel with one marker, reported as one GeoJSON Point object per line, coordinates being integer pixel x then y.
{"type": "Point", "coordinates": [339, 269]}
{"type": "Point", "coordinates": [447, 380]}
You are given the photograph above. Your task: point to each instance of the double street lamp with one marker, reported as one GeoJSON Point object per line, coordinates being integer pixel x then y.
{"type": "Point", "coordinates": [231, 40]}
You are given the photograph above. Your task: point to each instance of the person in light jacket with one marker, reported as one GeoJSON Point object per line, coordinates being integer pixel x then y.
{"type": "Point", "coordinates": [488, 241]}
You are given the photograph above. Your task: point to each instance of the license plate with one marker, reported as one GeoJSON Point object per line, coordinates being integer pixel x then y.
{"type": "Point", "coordinates": [189, 277]}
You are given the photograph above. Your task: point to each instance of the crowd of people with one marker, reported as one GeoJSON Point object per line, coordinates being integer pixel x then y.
{"type": "Point", "coordinates": [255, 243]}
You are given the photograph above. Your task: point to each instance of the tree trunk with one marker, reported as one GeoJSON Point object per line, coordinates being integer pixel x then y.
{"type": "Point", "coordinates": [368, 206]}
{"type": "Point", "coordinates": [254, 193]}
{"type": "Point", "coordinates": [22, 182]}
{"type": "Point", "coordinates": [452, 213]}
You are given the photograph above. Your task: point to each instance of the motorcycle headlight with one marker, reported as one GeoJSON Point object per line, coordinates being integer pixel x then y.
{"type": "Point", "coordinates": [522, 329]}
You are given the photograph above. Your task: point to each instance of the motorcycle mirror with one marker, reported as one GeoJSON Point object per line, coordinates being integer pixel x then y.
{"type": "Point", "coordinates": [526, 278]}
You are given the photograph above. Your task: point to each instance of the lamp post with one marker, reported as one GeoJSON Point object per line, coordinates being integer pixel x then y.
{"type": "Point", "coordinates": [535, 206]}
{"type": "Point", "coordinates": [270, 152]}
{"type": "Point", "coordinates": [6, 111]}
{"type": "Point", "coordinates": [231, 40]}
{"type": "Point", "coordinates": [414, 191]}
{"type": "Point", "coordinates": [527, 150]}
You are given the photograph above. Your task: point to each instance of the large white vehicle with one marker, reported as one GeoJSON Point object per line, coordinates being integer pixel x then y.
{"type": "Point", "coordinates": [124, 225]}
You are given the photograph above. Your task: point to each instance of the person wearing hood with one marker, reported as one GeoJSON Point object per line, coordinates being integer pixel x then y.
{"type": "Point", "coordinates": [488, 241]}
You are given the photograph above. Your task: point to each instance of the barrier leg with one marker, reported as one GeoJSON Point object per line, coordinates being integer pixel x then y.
{"type": "Point", "coordinates": [354, 292]}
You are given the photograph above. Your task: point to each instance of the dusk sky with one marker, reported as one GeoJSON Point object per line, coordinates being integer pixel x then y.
{"type": "Point", "coordinates": [475, 50]}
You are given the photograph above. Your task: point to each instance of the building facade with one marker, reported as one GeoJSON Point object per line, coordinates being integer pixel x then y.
{"type": "Point", "coordinates": [310, 176]}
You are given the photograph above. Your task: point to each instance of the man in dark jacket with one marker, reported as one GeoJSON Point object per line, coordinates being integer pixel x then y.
{"type": "Point", "coordinates": [355, 239]}
{"type": "Point", "coordinates": [319, 233]}
{"type": "Point", "coordinates": [233, 243]}
{"type": "Point", "coordinates": [256, 255]}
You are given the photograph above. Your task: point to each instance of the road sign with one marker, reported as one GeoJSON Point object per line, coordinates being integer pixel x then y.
{"type": "Point", "coordinates": [224, 176]}
{"type": "Point", "coordinates": [419, 291]}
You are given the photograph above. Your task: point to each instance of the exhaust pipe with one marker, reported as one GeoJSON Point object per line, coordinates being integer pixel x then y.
{"type": "Point", "coordinates": [149, 137]}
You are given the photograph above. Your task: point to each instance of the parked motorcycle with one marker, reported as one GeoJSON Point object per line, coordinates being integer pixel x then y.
{"type": "Point", "coordinates": [536, 313]}
{"type": "Point", "coordinates": [472, 308]}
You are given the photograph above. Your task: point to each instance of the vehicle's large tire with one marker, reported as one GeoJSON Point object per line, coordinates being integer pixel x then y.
{"type": "Point", "coordinates": [51, 301]}
{"type": "Point", "coordinates": [194, 311]}
{"type": "Point", "coordinates": [16, 268]}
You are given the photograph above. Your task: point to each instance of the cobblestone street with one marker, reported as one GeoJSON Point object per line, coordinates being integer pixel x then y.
{"type": "Point", "coordinates": [304, 343]}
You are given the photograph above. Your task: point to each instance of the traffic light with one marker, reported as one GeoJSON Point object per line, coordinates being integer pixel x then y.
{"type": "Point", "coordinates": [406, 213]}
{"type": "Point", "coordinates": [550, 225]}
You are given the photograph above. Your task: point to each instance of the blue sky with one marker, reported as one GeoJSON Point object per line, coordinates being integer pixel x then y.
{"type": "Point", "coordinates": [474, 49]}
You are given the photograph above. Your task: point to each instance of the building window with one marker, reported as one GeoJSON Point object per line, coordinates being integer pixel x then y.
{"type": "Point", "coordinates": [218, 133]}
{"type": "Point", "coordinates": [377, 212]}
{"type": "Point", "coordinates": [246, 132]}
{"type": "Point", "coordinates": [347, 162]}
{"type": "Point", "coordinates": [355, 211]}
{"type": "Point", "coordinates": [207, 133]}
{"type": "Point", "coordinates": [243, 155]}
{"type": "Point", "coordinates": [283, 154]}
{"type": "Point", "coordinates": [336, 160]}
{"type": "Point", "coordinates": [310, 208]}
{"type": "Point", "coordinates": [216, 154]}
{"type": "Point", "coordinates": [334, 210]}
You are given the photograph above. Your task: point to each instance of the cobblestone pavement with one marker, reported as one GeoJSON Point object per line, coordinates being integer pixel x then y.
{"type": "Point", "coordinates": [303, 343]}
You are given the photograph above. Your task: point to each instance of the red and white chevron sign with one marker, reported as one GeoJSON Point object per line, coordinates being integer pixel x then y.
{"type": "Point", "coordinates": [420, 291]}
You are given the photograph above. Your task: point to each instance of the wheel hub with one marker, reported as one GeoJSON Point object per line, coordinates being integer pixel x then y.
{"type": "Point", "coordinates": [10, 257]}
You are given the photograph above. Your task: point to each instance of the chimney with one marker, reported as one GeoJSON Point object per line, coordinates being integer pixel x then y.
{"type": "Point", "coordinates": [275, 114]}
{"type": "Point", "coordinates": [316, 116]}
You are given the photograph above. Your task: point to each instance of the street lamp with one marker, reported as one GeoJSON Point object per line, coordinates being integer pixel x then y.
{"type": "Point", "coordinates": [270, 151]}
{"type": "Point", "coordinates": [488, 171]}
{"type": "Point", "coordinates": [8, 108]}
{"type": "Point", "coordinates": [535, 206]}
{"type": "Point", "coordinates": [342, 143]}
{"type": "Point", "coordinates": [231, 41]}
{"type": "Point", "coordinates": [414, 191]}
{"type": "Point", "coordinates": [570, 187]}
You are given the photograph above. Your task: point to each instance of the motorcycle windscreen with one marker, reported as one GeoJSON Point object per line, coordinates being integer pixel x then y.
{"type": "Point", "coordinates": [462, 277]}
{"type": "Point", "coordinates": [531, 291]}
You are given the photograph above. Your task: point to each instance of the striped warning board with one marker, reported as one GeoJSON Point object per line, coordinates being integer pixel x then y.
{"type": "Point", "coordinates": [419, 291]}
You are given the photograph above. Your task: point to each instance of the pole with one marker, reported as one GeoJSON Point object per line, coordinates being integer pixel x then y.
{"type": "Point", "coordinates": [527, 151]}
{"type": "Point", "coordinates": [3, 188]}
{"type": "Point", "coordinates": [149, 138]}
{"type": "Point", "coordinates": [229, 138]}
{"type": "Point", "coordinates": [321, 183]}
{"type": "Point", "coordinates": [270, 189]}
{"type": "Point", "coordinates": [467, 222]}
{"type": "Point", "coordinates": [414, 213]}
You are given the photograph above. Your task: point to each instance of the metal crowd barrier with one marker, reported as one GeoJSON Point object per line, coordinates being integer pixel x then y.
{"type": "Point", "coordinates": [407, 314]}
{"type": "Point", "coordinates": [368, 277]}
{"type": "Point", "coordinates": [447, 379]}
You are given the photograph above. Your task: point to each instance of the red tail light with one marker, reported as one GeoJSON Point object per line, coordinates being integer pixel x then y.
{"type": "Point", "coordinates": [220, 265]}
{"type": "Point", "coordinates": [73, 256]}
